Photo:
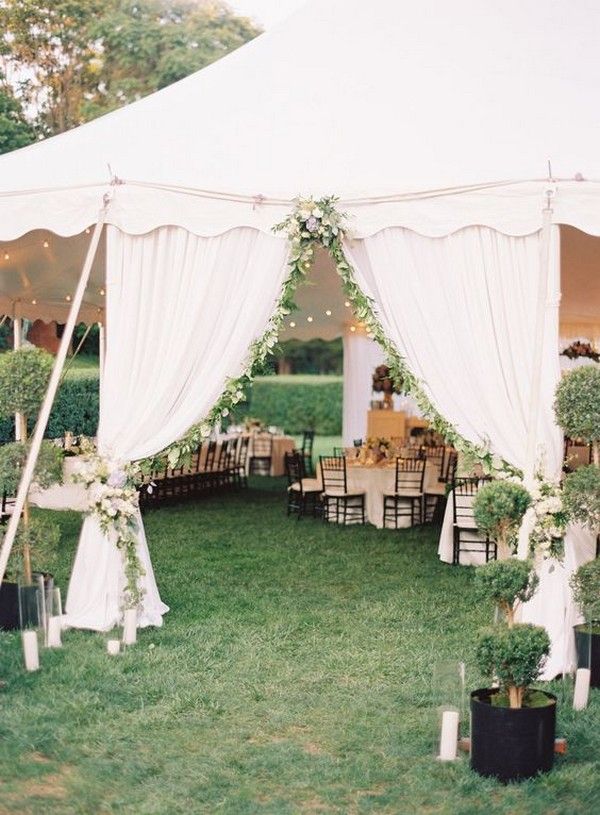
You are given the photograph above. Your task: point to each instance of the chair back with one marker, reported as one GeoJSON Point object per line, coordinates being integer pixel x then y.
{"type": "Point", "coordinates": [294, 468]}
{"type": "Point", "coordinates": [262, 445]}
{"type": "Point", "coordinates": [333, 474]}
{"type": "Point", "coordinates": [464, 491]}
{"type": "Point", "coordinates": [211, 451]}
{"type": "Point", "coordinates": [436, 456]}
{"type": "Point", "coordinates": [339, 452]}
{"type": "Point", "coordinates": [410, 473]}
{"type": "Point", "coordinates": [449, 472]}
{"type": "Point", "coordinates": [242, 452]}
{"type": "Point", "coordinates": [308, 438]}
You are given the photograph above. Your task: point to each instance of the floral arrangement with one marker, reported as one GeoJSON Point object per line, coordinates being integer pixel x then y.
{"type": "Point", "coordinates": [581, 349]}
{"type": "Point", "coordinates": [315, 223]}
{"type": "Point", "coordinates": [113, 500]}
{"type": "Point", "coordinates": [551, 519]}
{"type": "Point", "coordinates": [383, 382]}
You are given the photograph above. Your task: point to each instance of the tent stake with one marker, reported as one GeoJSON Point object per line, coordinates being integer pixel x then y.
{"type": "Point", "coordinates": [42, 422]}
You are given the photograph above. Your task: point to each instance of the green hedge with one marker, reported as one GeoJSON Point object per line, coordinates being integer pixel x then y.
{"type": "Point", "coordinates": [292, 402]}
{"type": "Point", "coordinates": [75, 409]}
{"type": "Point", "coordinates": [296, 403]}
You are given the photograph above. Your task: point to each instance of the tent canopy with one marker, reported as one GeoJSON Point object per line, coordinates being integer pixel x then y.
{"type": "Point", "coordinates": [349, 98]}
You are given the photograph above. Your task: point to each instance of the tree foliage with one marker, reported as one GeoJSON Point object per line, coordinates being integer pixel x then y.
{"type": "Point", "coordinates": [15, 130]}
{"type": "Point", "coordinates": [48, 467]}
{"type": "Point", "coordinates": [24, 376]}
{"type": "Point", "coordinates": [577, 403]}
{"type": "Point", "coordinates": [586, 589]}
{"type": "Point", "coordinates": [506, 582]}
{"type": "Point", "coordinates": [581, 496]}
{"type": "Point", "coordinates": [499, 508]}
{"type": "Point", "coordinates": [72, 60]}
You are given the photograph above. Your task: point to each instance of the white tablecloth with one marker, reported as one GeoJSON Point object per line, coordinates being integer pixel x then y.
{"type": "Point", "coordinates": [67, 495]}
{"type": "Point", "coordinates": [281, 446]}
{"type": "Point", "coordinates": [376, 481]}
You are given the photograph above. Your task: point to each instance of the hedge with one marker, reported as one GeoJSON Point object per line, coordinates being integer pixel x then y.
{"type": "Point", "coordinates": [75, 409]}
{"type": "Point", "coordinates": [296, 403]}
{"type": "Point", "coordinates": [292, 402]}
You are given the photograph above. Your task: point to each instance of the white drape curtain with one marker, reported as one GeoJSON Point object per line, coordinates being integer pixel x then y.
{"type": "Point", "coordinates": [361, 356]}
{"type": "Point", "coordinates": [182, 311]}
{"type": "Point", "coordinates": [461, 310]}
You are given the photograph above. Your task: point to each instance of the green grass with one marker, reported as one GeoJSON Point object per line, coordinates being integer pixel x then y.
{"type": "Point", "coordinates": [82, 366]}
{"type": "Point", "coordinates": [292, 675]}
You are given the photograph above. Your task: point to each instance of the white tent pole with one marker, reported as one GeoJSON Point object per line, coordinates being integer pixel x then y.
{"type": "Point", "coordinates": [102, 350]}
{"type": "Point", "coordinates": [538, 349]}
{"type": "Point", "coordinates": [17, 335]}
{"type": "Point", "coordinates": [44, 414]}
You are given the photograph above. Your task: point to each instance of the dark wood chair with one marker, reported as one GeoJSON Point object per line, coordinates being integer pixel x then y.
{"type": "Point", "coordinates": [407, 499]}
{"type": "Point", "coordinates": [340, 505]}
{"type": "Point", "coordinates": [261, 455]}
{"type": "Point", "coordinates": [466, 536]}
{"type": "Point", "coordinates": [304, 494]}
{"type": "Point", "coordinates": [308, 439]}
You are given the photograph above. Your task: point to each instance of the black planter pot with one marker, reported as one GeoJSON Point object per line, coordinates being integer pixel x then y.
{"type": "Point", "coordinates": [10, 613]}
{"type": "Point", "coordinates": [588, 652]}
{"type": "Point", "coordinates": [510, 744]}
{"type": "Point", "coordinates": [9, 606]}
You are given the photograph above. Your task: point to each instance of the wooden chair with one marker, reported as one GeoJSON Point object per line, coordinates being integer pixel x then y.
{"type": "Point", "coordinates": [304, 494]}
{"type": "Point", "coordinates": [308, 439]}
{"type": "Point", "coordinates": [407, 499]}
{"type": "Point", "coordinates": [241, 460]}
{"type": "Point", "coordinates": [436, 496]}
{"type": "Point", "coordinates": [466, 536]}
{"type": "Point", "coordinates": [339, 505]}
{"type": "Point", "coordinates": [261, 456]}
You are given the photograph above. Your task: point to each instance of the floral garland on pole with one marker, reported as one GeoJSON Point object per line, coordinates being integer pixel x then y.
{"type": "Point", "coordinates": [113, 501]}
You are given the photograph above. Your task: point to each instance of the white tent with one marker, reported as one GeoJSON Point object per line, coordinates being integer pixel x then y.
{"type": "Point", "coordinates": [461, 138]}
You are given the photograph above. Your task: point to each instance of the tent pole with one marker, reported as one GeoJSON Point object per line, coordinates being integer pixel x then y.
{"type": "Point", "coordinates": [102, 349]}
{"type": "Point", "coordinates": [17, 335]}
{"type": "Point", "coordinates": [44, 415]}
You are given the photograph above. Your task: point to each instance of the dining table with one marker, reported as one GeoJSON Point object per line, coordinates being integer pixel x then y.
{"type": "Point", "coordinates": [379, 479]}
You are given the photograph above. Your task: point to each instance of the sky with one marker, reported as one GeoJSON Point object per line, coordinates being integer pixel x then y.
{"type": "Point", "coordinates": [265, 12]}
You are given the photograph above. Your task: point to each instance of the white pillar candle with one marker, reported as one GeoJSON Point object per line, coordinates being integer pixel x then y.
{"type": "Point", "coordinates": [130, 626]}
{"type": "Point", "coordinates": [582, 688]}
{"type": "Point", "coordinates": [113, 647]}
{"type": "Point", "coordinates": [30, 650]}
{"type": "Point", "coordinates": [54, 629]}
{"type": "Point", "coordinates": [449, 736]}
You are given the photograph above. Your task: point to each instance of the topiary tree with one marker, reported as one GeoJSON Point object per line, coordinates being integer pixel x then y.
{"type": "Point", "coordinates": [40, 539]}
{"type": "Point", "coordinates": [581, 496]}
{"type": "Point", "coordinates": [585, 583]}
{"type": "Point", "coordinates": [507, 583]}
{"type": "Point", "coordinates": [24, 376]}
{"type": "Point", "coordinates": [498, 510]}
{"type": "Point", "coordinates": [514, 655]}
{"type": "Point", "coordinates": [577, 406]}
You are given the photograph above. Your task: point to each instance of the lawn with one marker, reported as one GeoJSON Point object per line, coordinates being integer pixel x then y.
{"type": "Point", "coordinates": [292, 675]}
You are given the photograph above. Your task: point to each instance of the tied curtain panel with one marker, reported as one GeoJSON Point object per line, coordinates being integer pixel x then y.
{"type": "Point", "coordinates": [461, 310]}
{"type": "Point", "coordinates": [361, 356]}
{"type": "Point", "coordinates": [182, 312]}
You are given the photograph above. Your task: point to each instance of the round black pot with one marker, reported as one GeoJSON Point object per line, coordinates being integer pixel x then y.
{"type": "Point", "coordinates": [588, 652]}
{"type": "Point", "coordinates": [510, 744]}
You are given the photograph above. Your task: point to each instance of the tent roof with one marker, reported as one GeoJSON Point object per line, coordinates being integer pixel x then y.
{"type": "Point", "coordinates": [348, 98]}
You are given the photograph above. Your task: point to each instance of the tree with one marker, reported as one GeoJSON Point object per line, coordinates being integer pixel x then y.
{"type": "Point", "coordinates": [72, 60]}
{"type": "Point", "coordinates": [15, 130]}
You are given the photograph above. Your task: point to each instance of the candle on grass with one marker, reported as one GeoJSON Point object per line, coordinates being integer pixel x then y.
{"type": "Point", "coordinates": [113, 647]}
{"type": "Point", "coordinates": [582, 688]}
{"type": "Point", "coordinates": [449, 736]}
{"type": "Point", "coordinates": [30, 650]}
{"type": "Point", "coordinates": [54, 629]}
{"type": "Point", "coordinates": [130, 626]}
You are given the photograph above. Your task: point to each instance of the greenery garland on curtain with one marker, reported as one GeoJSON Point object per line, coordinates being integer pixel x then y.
{"type": "Point", "coordinates": [311, 224]}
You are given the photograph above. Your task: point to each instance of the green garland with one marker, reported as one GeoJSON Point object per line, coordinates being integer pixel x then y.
{"type": "Point", "coordinates": [311, 224]}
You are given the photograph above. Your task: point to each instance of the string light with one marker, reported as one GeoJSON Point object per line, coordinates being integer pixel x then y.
{"type": "Point", "coordinates": [309, 319]}
{"type": "Point", "coordinates": [353, 328]}
{"type": "Point", "coordinates": [102, 292]}
{"type": "Point", "coordinates": [328, 312]}
{"type": "Point", "coordinates": [347, 303]}
{"type": "Point", "coordinates": [6, 256]}
{"type": "Point", "coordinates": [34, 302]}
{"type": "Point", "coordinates": [45, 244]}
{"type": "Point", "coordinates": [87, 231]}
{"type": "Point", "coordinates": [292, 325]}
{"type": "Point", "coordinates": [68, 298]}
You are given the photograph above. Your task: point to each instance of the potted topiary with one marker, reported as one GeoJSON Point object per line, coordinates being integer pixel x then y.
{"type": "Point", "coordinates": [586, 591]}
{"type": "Point", "coordinates": [24, 376]}
{"type": "Point", "coordinates": [512, 725]}
{"type": "Point", "coordinates": [577, 406]}
{"type": "Point", "coordinates": [498, 509]}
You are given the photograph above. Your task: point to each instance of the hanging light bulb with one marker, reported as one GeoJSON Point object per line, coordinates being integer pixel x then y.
{"type": "Point", "coordinates": [45, 244]}
{"type": "Point", "coordinates": [87, 231]}
{"type": "Point", "coordinates": [309, 319]}
{"type": "Point", "coordinates": [292, 325]}
{"type": "Point", "coordinates": [6, 256]}
{"type": "Point", "coordinates": [353, 328]}
{"type": "Point", "coordinates": [34, 302]}
{"type": "Point", "coordinates": [68, 298]}
{"type": "Point", "coordinates": [102, 292]}
{"type": "Point", "coordinates": [328, 312]}
{"type": "Point", "coordinates": [347, 303]}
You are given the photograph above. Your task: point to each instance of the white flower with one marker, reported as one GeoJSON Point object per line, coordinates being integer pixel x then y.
{"type": "Point", "coordinates": [317, 213]}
